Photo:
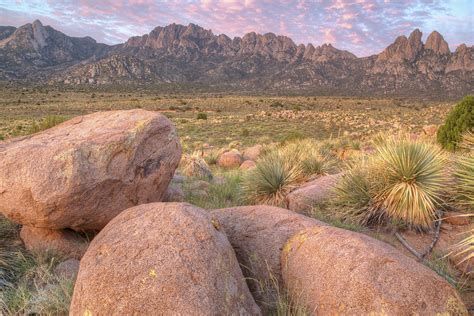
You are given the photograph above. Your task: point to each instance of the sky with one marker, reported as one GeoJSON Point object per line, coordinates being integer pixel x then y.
{"type": "Point", "coordinates": [363, 27]}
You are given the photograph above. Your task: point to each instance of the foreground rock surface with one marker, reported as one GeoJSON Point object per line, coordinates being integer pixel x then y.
{"type": "Point", "coordinates": [258, 235]}
{"type": "Point", "coordinates": [334, 271]}
{"type": "Point", "coordinates": [83, 172]}
{"type": "Point", "coordinates": [161, 259]}
{"type": "Point", "coordinates": [313, 192]}
{"type": "Point", "coordinates": [63, 243]}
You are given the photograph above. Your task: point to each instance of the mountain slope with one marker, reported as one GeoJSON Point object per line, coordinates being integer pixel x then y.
{"type": "Point", "coordinates": [192, 55]}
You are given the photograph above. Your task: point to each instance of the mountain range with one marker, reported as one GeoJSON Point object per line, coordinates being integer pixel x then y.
{"type": "Point", "coordinates": [193, 55]}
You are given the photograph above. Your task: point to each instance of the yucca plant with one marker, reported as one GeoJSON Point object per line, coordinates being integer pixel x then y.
{"type": "Point", "coordinates": [403, 182]}
{"type": "Point", "coordinates": [274, 176]}
{"type": "Point", "coordinates": [354, 196]}
{"type": "Point", "coordinates": [410, 180]}
{"type": "Point", "coordinates": [465, 248]}
{"type": "Point", "coordinates": [193, 165]}
{"type": "Point", "coordinates": [464, 173]}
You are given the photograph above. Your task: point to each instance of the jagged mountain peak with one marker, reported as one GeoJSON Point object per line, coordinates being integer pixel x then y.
{"type": "Point", "coordinates": [191, 54]}
{"type": "Point", "coordinates": [437, 44]}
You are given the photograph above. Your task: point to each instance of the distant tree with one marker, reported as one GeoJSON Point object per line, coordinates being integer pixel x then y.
{"type": "Point", "coordinates": [459, 121]}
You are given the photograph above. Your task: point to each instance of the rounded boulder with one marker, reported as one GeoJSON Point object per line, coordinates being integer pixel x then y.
{"type": "Point", "coordinates": [230, 159]}
{"type": "Point", "coordinates": [335, 271]}
{"type": "Point", "coordinates": [161, 259]}
{"type": "Point", "coordinates": [82, 173]}
{"type": "Point", "coordinates": [258, 234]}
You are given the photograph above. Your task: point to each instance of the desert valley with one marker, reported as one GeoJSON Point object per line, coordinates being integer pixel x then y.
{"type": "Point", "coordinates": [183, 172]}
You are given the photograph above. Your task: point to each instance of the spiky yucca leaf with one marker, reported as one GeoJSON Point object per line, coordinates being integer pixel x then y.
{"type": "Point", "coordinates": [411, 177]}
{"type": "Point", "coordinates": [465, 248]}
{"type": "Point", "coordinates": [274, 176]}
{"type": "Point", "coordinates": [464, 173]}
{"type": "Point", "coordinates": [194, 165]}
{"type": "Point", "coordinates": [354, 194]}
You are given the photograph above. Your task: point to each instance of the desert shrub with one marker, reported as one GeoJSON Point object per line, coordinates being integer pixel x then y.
{"type": "Point", "coordinates": [45, 123]}
{"type": "Point", "coordinates": [245, 132]}
{"type": "Point", "coordinates": [412, 176]}
{"type": "Point", "coordinates": [2, 137]}
{"type": "Point", "coordinates": [221, 195]}
{"type": "Point", "coordinates": [276, 104]}
{"type": "Point", "coordinates": [37, 290]}
{"type": "Point", "coordinates": [402, 182]}
{"type": "Point", "coordinates": [354, 196]}
{"type": "Point", "coordinates": [193, 165]}
{"type": "Point", "coordinates": [305, 152]}
{"type": "Point", "coordinates": [464, 174]}
{"type": "Point", "coordinates": [465, 248]}
{"type": "Point", "coordinates": [211, 157]}
{"type": "Point", "coordinates": [292, 136]}
{"type": "Point", "coordinates": [201, 116]}
{"type": "Point", "coordinates": [274, 176]}
{"type": "Point", "coordinates": [458, 121]}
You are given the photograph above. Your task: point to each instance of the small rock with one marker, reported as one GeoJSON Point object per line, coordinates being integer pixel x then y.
{"type": "Point", "coordinates": [200, 193]}
{"type": "Point", "coordinates": [430, 130]}
{"type": "Point", "coordinates": [253, 153]}
{"type": "Point", "coordinates": [63, 243]}
{"type": "Point", "coordinates": [179, 178]}
{"type": "Point", "coordinates": [311, 193]}
{"type": "Point", "coordinates": [67, 269]}
{"type": "Point", "coordinates": [230, 159]}
{"type": "Point", "coordinates": [248, 164]}
{"type": "Point", "coordinates": [199, 185]}
{"type": "Point", "coordinates": [173, 194]}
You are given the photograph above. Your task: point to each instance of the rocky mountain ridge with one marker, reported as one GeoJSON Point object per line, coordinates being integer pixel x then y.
{"type": "Point", "coordinates": [193, 55]}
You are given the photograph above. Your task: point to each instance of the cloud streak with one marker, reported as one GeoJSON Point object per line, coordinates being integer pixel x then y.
{"type": "Point", "coordinates": [361, 26]}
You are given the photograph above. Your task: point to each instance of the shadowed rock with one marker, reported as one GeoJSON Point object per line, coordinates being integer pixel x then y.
{"type": "Point", "coordinates": [63, 243]}
{"type": "Point", "coordinates": [258, 234]}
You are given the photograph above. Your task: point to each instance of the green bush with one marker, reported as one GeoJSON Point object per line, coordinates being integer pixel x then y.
{"type": "Point", "coordinates": [202, 116]}
{"type": "Point", "coordinates": [459, 121]}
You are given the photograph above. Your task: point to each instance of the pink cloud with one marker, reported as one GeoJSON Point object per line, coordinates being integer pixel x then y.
{"type": "Point", "coordinates": [361, 26]}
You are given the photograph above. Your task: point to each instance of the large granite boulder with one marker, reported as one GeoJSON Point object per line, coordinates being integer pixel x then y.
{"type": "Point", "coordinates": [258, 234]}
{"type": "Point", "coordinates": [334, 271]}
{"type": "Point", "coordinates": [161, 259]}
{"type": "Point", "coordinates": [83, 172]}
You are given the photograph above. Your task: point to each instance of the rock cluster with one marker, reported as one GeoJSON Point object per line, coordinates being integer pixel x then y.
{"type": "Point", "coordinates": [101, 177]}
{"type": "Point", "coordinates": [234, 158]}
{"type": "Point", "coordinates": [330, 270]}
